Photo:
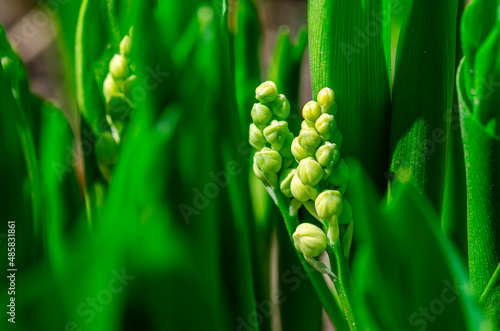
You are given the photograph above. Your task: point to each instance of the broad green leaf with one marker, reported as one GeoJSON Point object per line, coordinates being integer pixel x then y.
{"type": "Point", "coordinates": [349, 52]}
{"type": "Point", "coordinates": [422, 97]}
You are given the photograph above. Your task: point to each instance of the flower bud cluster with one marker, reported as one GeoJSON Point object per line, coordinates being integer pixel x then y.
{"type": "Point", "coordinates": [119, 79]}
{"type": "Point", "coordinates": [269, 133]}
{"type": "Point", "coordinates": [316, 149]}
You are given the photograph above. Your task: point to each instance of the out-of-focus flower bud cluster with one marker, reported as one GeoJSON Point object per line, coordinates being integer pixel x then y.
{"type": "Point", "coordinates": [119, 79]}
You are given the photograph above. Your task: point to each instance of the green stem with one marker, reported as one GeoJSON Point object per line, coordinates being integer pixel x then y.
{"type": "Point", "coordinates": [343, 282]}
{"type": "Point", "coordinates": [324, 293]}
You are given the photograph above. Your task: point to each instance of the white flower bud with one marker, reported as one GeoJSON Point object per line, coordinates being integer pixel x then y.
{"type": "Point", "coordinates": [276, 134]}
{"type": "Point", "coordinates": [325, 125]}
{"type": "Point", "coordinates": [111, 87]}
{"type": "Point", "coordinates": [298, 152]}
{"type": "Point", "coordinates": [118, 67]}
{"type": "Point", "coordinates": [261, 115]}
{"type": "Point", "coordinates": [311, 111]}
{"type": "Point", "coordinates": [268, 161]}
{"type": "Point", "coordinates": [125, 46]}
{"type": "Point", "coordinates": [127, 84]}
{"type": "Point", "coordinates": [306, 125]}
{"type": "Point", "coordinates": [309, 139]}
{"type": "Point", "coordinates": [328, 153]}
{"type": "Point", "coordinates": [286, 181]}
{"type": "Point", "coordinates": [309, 240]}
{"type": "Point", "coordinates": [256, 137]}
{"type": "Point", "coordinates": [298, 189]}
{"type": "Point", "coordinates": [326, 98]}
{"type": "Point", "coordinates": [271, 179]}
{"type": "Point", "coordinates": [266, 92]}
{"type": "Point", "coordinates": [329, 205]}
{"type": "Point", "coordinates": [310, 171]}
{"type": "Point", "coordinates": [281, 107]}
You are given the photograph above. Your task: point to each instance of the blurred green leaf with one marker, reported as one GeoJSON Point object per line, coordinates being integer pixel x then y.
{"type": "Point", "coordinates": [408, 275]}
{"type": "Point", "coordinates": [490, 299]}
{"type": "Point", "coordinates": [18, 99]}
{"type": "Point", "coordinates": [349, 52]}
{"type": "Point", "coordinates": [422, 97]}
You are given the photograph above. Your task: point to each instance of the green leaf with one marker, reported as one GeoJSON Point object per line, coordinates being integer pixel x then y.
{"type": "Point", "coordinates": [482, 164]}
{"type": "Point", "coordinates": [284, 70]}
{"type": "Point", "coordinates": [422, 96]}
{"type": "Point", "coordinates": [18, 99]}
{"type": "Point", "coordinates": [246, 59]}
{"type": "Point", "coordinates": [408, 274]}
{"type": "Point", "coordinates": [490, 300]}
{"type": "Point", "coordinates": [349, 52]}
{"type": "Point", "coordinates": [61, 194]}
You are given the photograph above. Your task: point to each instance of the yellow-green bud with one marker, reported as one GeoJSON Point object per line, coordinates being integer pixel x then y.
{"type": "Point", "coordinates": [306, 125]}
{"type": "Point", "coordinates": [325, 125]}
{"type": "Point", "coordinates": [271, 178]}
{"type": "Point", "coordinates": [309, 139]}
{"type": "Point", "coordinates": [125, 46]}
{"type": "Point", "coordinates": [286, 181]}
{"type": "Point", "coordinates": [276, 134]}
{"type": "Point", "coordinates": [346, 216]}
{"type": "Point", "coordinates": [111, 87]}
{"type": "Point", "coordinates": [266, 92]}
{"type": "Point", "coordinates": [340, 174]}
{"type": "Point", "coordinates": [118, 67]}
{"type": "Point", "coordinates": [256, 137]}
{"type": "Point", "coordinates": [328, 153]}
{"type": "Point", "coordinates": [127, 84]}
{"type": "Point", "coordinates": [281, 107]}
{"type": "Point", "coordinates": [326, 98]}
{"type": "Point", "coordinates": [286, 149]}
{"type": "Point", "coordinates": [268, 161]}
{"type": "Point", "coordinates": [311, 111]}
{"type": "Point", "coordinates": [106, 149]}
{"type": "Point", "coordinates": [309, 240]}
{"type": "Point", "coordinates": [261, 115]}
{"type": "Point", "coordinates": [310, 171]}
{"type": "Point", "coordinates": [298, 152]}
{"type": "Point", "coordinates": [329, 205]}
{"type": "Point", "coordinates": [298, 189]}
